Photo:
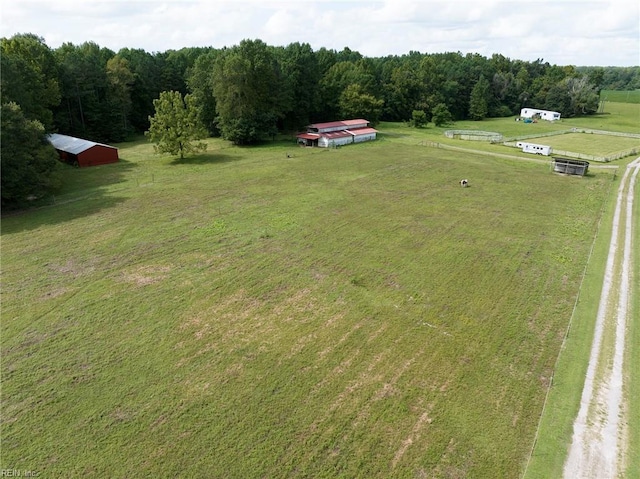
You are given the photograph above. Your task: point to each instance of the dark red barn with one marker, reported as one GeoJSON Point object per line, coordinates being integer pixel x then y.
{"type": "Point", "coordinates": [79, 152]}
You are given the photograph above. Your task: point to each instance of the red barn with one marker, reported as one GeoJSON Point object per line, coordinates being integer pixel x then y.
{"type": "Point", "coordinates": [79, 152]}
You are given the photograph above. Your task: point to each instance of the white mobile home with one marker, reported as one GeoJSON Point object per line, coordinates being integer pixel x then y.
{"type": "Point", "coordinates": [542, 114]}
{"type": "Point", "coordinates": [533, 148]}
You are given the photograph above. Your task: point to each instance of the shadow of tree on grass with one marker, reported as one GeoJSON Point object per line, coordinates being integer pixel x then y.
{"type": "Point", "coordinates": [84, 192]}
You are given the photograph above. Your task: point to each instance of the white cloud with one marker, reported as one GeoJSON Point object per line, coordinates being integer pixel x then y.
{"type": "Point", "coordinates": [578, 32]}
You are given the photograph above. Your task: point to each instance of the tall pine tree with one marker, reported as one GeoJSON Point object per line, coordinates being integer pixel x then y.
{"type": "Point", "coordinates": [479, 101]}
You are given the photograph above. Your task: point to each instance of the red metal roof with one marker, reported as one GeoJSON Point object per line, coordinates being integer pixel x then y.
{"type": "Point", "coordinates": [345, 131]}
{"type": "Point", "coordinates": [363, 131]}
{"type": "Point", "coordinates": [308, 136]}
{"type": "Point", "coordinates": [342, 123]}
{"type": "Point", "coordinates": [335, 134]}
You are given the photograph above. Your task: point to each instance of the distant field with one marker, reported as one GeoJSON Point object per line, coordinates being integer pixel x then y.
{"type": "Point", "coordinates": [592, 143]}
{"type": "Point", "coordinates": [241, 314]}
{"type": "Point", "coordinates": [616, 117]}
{"type": "Point", "coordinates": [632, 96]}
{"type": "Point", "coordinates": [620, 117]}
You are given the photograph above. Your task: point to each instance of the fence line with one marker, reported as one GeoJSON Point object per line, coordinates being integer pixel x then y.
{"type": "Point", "coordinates": [585, 156]}
{"type": "Point", "coordinates": [474, 135]}
{"type": "Point", "coordinates": [537, 135]}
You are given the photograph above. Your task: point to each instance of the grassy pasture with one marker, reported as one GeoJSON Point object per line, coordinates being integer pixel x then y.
{"type": "Point", "coordinates": [623, 117]}
{"type": "Point", "coordinates": [627, 96]}
{"type": "Point", "coordinates": [342, 313]}
{"type": "Point", "coordinates": [617, 117]}
{"type": "Point", "coordinates": [599, 145]}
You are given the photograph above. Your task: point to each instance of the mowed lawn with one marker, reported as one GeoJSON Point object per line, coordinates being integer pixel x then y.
{"type": "Point", "coordinates": [595, 144]}
{"type": "Point", "coordinates": [241, 314]}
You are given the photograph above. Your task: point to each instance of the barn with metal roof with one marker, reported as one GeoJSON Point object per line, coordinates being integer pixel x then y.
{"type": "Point", "coordinates": [337, 133]}
{"type": "Point", "coordinates": [79, 152]}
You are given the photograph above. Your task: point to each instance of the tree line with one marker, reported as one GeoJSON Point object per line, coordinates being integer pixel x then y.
{"type": "Point", "coordinates": [252, 91]}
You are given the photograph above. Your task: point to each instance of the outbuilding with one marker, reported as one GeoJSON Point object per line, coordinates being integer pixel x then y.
{"type": "Point", "coordinates": [81, 153]}
{"type": "Point", "coordinates": [337, 133]}
{"type": "Point", "coordinates": [570, 167]}
{"type": "Point", "coordinates": [542, 114]}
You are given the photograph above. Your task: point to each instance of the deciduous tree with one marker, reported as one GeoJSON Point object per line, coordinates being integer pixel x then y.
{"type": "Point", "coordinates": [355, 103]}
{"type": "Point", "coordinates": [30, 167]}
{"type": "Point", "coordinates": [29, 76]}
{"type": "Point", "coordinates": [247, 85]}
{"type": "Point", "coordinates": [176, 127]}
{"type": "Point", "coordinates": [200, 84]}
{"type": "Point", "coordinates": [84, 110]}
{"type": "Point", "coordinates": [301, 74]}
{"type": "Point", "coordinates": [119, 81]}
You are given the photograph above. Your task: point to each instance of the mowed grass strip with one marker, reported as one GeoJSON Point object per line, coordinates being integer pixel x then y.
{"type": "Point", "coordinates": [341, 313]}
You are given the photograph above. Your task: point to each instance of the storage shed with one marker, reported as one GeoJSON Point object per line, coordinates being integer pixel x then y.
{"type": "Point", "coordinates": [570, 167]}
{"type": "Point", "coordinates": [79, 152]}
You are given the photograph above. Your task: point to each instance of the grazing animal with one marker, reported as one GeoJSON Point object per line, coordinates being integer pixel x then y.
{"type": "Point", "coordinates": [464, 183]}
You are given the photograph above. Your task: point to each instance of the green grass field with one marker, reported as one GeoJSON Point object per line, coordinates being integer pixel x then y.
{"type": "Point", "coordinates": [599, 145]}
{"type": "Point", "coordinates": [627, 96]}
{"type": "Point", "coordinates": [619, 117]}
{"type": "Point", "coordinates": [342, 313]}
{"type": "Point", "coordinates": [182, 291]}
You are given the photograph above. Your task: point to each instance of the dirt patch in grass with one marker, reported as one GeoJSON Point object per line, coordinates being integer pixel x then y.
{"type": "Point", "coordinates": [146, 275]}
{"type": "Point", "coordinates": [54, 293]}
{"type": "Point", "coordinates": [72, 267]}
{"type": "Point", "coordinates": [414, 435]}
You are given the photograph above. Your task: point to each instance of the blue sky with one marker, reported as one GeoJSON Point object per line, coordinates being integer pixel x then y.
{"type": "Point", "coordinates": [563, 32]}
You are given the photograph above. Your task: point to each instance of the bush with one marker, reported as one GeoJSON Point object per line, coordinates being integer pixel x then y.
{"type": "Point", "coordinates": [418, 119]}
{"type": "Point", "coordinates": [441, 115]}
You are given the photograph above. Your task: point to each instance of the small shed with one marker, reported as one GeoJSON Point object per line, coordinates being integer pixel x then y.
{"type": "Point", "coordinates": [79, 152]}
{"type": "Point", "coordinates": [570, 167]}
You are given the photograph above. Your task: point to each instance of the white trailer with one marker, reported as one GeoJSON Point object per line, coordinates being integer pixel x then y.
{"type": "Point", "coordinates": [542, 114]}
{"type": "Point", "coordinates": [534, 148]}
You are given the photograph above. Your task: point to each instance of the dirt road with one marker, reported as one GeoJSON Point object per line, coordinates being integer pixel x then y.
{"type": "Point", "coordinates": [598, 448]}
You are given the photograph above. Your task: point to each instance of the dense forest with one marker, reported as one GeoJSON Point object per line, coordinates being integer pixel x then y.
{"type": "Point", "coordinates": [252, 91]}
